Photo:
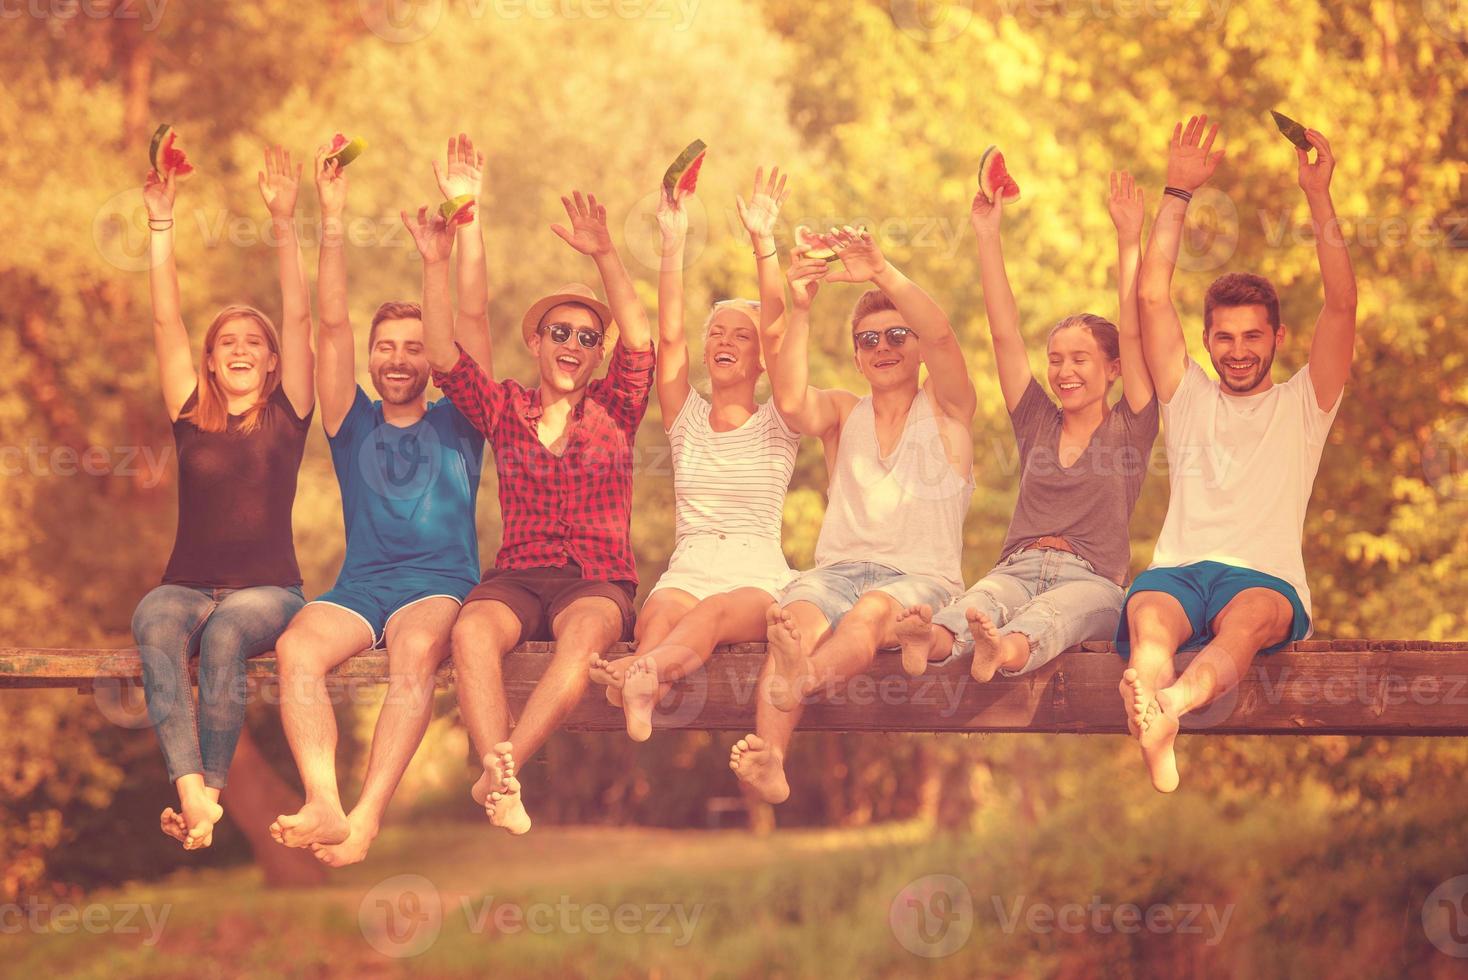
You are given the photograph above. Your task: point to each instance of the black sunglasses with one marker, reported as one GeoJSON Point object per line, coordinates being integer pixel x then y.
{"type": "Point", "coordinates": [559, 332]}
{"type": "Point", "coordinates": [868, 339]}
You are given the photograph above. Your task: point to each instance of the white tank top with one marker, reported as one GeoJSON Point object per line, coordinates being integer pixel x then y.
{"type": "Point", "coordinates": [905, 511]}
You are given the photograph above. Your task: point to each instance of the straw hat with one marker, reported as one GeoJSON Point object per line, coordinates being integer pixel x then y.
{"type": "Point", "coordinates": [573, 292]}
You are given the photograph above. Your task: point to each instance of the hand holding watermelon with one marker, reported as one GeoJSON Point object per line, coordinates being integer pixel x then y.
{"type": "Point", "coordinates": [985, 215]}
{"type": "Point", "coordinates": [1315, 177]}
{"type": "Point", "coordinates": [588, 234]}
{"type": "Point", "coordinates": [1190, 157]}
{"type": "Point", "coordinates": [279, 182]}
{"type": "Point", "coordinates": [672, 219]}
{"type": "Point", "coordinates": [761, 214]}
{"type": "Point", "coordinates": [804, 275]}
{"type": "Point", "coordinates": [464, 171]}
{"type": "Point", "coordinates": [331, 183]}
{"type": "Point", "coordinates": [432, 234]}
{"type": "Point", "coordinates": [861, 259]}
{"type": "Point", "coordinates": [158, 194]}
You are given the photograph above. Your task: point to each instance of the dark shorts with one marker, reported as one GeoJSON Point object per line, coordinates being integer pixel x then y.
{"type": "Point", "coordinates": [1203, 589]}
{"type": "Point", "coordinates": [537, 595]}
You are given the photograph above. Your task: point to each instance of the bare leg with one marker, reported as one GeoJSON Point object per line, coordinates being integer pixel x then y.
{"type": "Point", "coordinates": [320, 637]}
{"type": "Point", "coordinates": [660, 613]}
{"type": "Point", "coordinates": [1157, 626]}
{"type": "Point", "coordinates": [484, 632]}
{"type": "Point", "coordinates": [993, 650]}
{"type": "Point", "coordinates": [417, 643]}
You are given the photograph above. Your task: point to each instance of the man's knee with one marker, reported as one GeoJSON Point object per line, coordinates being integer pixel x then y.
{"type": "Point", "coordinates": [483, 631]}
{"type": "Point", "coordinates": [417, 652]}
{"type": "Point", "coordinates": [1256, 621]}
{"type": "Point", "coordinates": [298, 652]}
{"type": "Point", "coordinates": [1155, 617]}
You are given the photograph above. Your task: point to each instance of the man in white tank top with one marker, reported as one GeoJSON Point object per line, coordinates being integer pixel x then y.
{"type": "Point", "coordinates": [901, 465]}
{"type": "Point", "coordinates": [1228, 575]}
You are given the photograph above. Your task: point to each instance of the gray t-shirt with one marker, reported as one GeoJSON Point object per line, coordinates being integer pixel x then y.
{"type": "Point", "coordinates": [1090, 502]}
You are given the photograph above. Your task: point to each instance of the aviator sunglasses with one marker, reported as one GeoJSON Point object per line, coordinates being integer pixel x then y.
{"type": "Point", "coordinates": [868, 339]}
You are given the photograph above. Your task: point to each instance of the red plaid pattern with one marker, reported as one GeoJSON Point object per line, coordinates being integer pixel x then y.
{"type": "Point", "coordinates": [572, 507]}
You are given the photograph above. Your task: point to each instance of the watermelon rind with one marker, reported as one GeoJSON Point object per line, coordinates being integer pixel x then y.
{"type": "Point", "coordinates": [349, 152]}
{"type": "Point", "coordinates": [1009, 191]}
{"type": "Point", "coordinates": [691, 153]}
{"type": "Point", "coordinates": [454, 205]}
{"type": "Point", "coordinates": [1293, 131]}
{"type": "Point", "coordinates": [159, 135]}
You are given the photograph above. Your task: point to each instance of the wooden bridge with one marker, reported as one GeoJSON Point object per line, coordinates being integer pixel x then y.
{"type": "Point", "coordinates": [1349, 687]}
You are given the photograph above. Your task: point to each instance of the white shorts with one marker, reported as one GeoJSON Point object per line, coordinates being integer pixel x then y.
{"type": "Point", "coordinates": [708, 564]}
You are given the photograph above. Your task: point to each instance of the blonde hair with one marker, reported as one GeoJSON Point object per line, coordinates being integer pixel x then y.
{"type": "Point", "coordinates": [749, 307]}
{"type": "Point", "coordinates": [211, 412]}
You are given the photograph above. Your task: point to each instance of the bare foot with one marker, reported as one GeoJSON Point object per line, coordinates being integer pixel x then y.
{"type": "Point", "coordinates": [914, 631]}
{"type": "Point", "coordinates": [608, 674]}
{"type": "Point", "coordinates": [988, 650]}
{"type": "Point", "coordinates": [1158, 733]}
{"type": "Point", "coordinates": [200, 814]}
{"type": "Point", "coordinates": [504, 806]}
{"type": "Point", "coordinates": [639, 697]}
{"type": "Point", "coordinates": [1135, 700]}
{"type": "Point", "coordinates": [761, 768]}
{"type": "Point", "coordinates": [317, 822]}
{"type": "Point", "coordinates": [351, 850]}
{"type": "Point", "coordinates": [172, 824]}
{"type": "Point", "coordinates": [792, 666]}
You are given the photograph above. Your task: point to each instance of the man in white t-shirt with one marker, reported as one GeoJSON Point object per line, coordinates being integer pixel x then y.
{"type": "Point", "coordinates": [1242, 452]}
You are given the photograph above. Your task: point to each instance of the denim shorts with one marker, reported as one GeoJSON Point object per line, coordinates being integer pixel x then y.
{"type": "Point", "coordinates": [1203, 589]}
{"type": "Point", "coordinates": [834, 589]}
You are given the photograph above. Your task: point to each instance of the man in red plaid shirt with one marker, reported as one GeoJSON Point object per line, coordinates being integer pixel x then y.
{"type": "Point", "coordinates": [563, 452]}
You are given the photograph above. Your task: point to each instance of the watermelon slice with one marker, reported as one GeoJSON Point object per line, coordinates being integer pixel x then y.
{"type": "Point", "coordinates": [458, 210]}
{"type": "Point", "coordinates": [165, 154]}
{"type": "Point", "coordinates": [682, 176]}
{"type": "Point", "coordinates": [819, 250]}
{"type": "Point", "coordinates": [1292, 130]}
{"type": "Point", "coordinates": [994, 177]}
{"type": "Point", "coordinates": [344, 150]}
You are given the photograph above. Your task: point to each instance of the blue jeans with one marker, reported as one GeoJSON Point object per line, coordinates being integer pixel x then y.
{"type": "Point", "coordinates": [223, 628]}
{"type": "Point", "coordinates": [834, 589]}
{"type": "Point", "coordinates": [1053, 597]}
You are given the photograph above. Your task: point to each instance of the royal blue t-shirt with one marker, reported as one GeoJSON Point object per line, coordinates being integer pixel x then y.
{"type": "Point", "coordinates": [408, 493]}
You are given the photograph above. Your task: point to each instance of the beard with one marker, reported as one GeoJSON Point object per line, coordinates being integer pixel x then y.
{"type": "Point", "coordinates": [399, 392]}
{"type": "Point", "coordinates": [1252, 382]}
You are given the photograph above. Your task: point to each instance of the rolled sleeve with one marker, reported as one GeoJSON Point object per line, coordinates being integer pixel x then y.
{"type": "Point", "coordinates": [625, 389]}
{"type": "Point", "coordinates": [477, 396]}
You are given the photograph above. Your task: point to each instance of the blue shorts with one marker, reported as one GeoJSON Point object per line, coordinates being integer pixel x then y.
{"type": "Point", "coordinates": [1203, 589]}
{"type": "Point", "coordinates": [834, 589]}
{"type": "Point", "coordinates": [378, 599]}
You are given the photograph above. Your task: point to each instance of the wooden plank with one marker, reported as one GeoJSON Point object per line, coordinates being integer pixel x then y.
{"type": "Point", "coordinates": [1395, 687]}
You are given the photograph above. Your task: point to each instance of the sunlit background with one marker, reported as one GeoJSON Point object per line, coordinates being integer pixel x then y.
{"type": "Point", "coordinates": [1296, 856]}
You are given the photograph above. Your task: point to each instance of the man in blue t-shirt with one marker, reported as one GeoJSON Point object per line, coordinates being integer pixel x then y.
{"type": "Point", "coordinates": [409, 476]}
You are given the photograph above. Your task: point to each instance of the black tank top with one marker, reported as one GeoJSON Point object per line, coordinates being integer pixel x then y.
{"type": "Point", "coordinates": [235, 493]}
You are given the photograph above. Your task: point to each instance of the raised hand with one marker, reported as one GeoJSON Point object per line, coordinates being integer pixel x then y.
{"type": "Point", "coordinates": [158, 193]}
{"type": "Point", "coordinates": [804, 275]}
{"type": "Point", "coordinates": [672, 218]}
{"type": "Point", "coordinates": [1315, 177]}
{"type": "Point", "coordinates": [464, 172]}
{"type": "Point", "coordinates": [279, 182]}
{"type": "Point", "coordinates": [985, 215]}
{"type": "Point", "coordinates": [588, 234]}
{"type": "Point", "coordinates": [1126, 205]}
{"type": "Point", "coordinates": [433, 236]}
{"type": "Point", "coordinates": [1190, 157]}
{"type": "Point", "coordinates": [331, 183]}
{"type": "Point", "coordinates": [861, 259]}
{"type": "Point", "coordinates": [761, 214]}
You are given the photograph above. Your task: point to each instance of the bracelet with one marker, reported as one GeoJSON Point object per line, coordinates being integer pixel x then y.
{"type": "Point", "coordinates": [763, 257]}
{"type": "Point", "coordinates": [1179, 193]}
{"type": "Point", "coordinates": [155, 225]}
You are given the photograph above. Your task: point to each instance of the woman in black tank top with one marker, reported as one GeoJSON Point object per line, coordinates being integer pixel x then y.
{"type": "Point", "coordinates": [239, 424]}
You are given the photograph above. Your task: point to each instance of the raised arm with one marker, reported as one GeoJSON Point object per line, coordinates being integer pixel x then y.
{"type": "Point", "coordinates": [937, 343]}
{"type": "Point", "coordinates": [589, 236]}
{"type": "Point", "coordinates": [435, 241]}
{"type": "Point", "coordinates": [672, 369]}
{"type": "Point", "coordinates": [170, 338]}
{"type": "Point", "coordinates": [1189, 165]}
{"type": "Point", "coordinates": [999, 306]}
{"type": "Point", "coordinates": [279, 183]}
{"type": "Point", "coordinates": [1127, 211]}
{"type": "Point", "coordinates": [785, 341]}
{"type": "Point", "coordinates": [1334, 345]}
{"type": "Point", "coordinates": [336, 370]}
{"type": "Point", "coordinates": [464, 174]}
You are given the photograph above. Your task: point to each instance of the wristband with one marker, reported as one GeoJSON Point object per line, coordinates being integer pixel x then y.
{"type": "Point", "coordinates": [1178, 193]}
{"type": "Point", "coordinates": [763, 257]}
{"type": "Point", "coordinates": [156, 224]}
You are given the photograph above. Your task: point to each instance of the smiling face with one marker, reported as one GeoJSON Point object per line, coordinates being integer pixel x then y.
{"type": "Point", "coordinates": [731, 350]}
{"type": "Point", "coordinates": [397, 361]}
{"type": "Point", "coordinates": [566, 367]}
{"type": "Point", "coordinates": [1242, 344]}
{"type": "Point", "coordinates": [240, 357]}
{"type": "Point", "coordinates": [1080, 373]}
{"type": "Point", "coordinates": [888, 365]}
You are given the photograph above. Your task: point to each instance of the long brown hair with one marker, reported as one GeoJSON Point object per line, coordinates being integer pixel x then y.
{"type": "Point", "coordinates": [211, 412]}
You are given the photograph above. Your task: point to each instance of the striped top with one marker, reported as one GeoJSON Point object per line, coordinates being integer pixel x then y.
{"type": "Point", "coordinates": [731, 482]}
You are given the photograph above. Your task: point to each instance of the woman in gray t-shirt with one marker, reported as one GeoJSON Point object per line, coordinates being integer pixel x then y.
{"type": "Point", "coordinates": [1064, 561]}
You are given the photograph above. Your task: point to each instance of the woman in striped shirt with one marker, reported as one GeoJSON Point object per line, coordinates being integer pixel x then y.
{"type": "Point", "coordinates": [732, 462]}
